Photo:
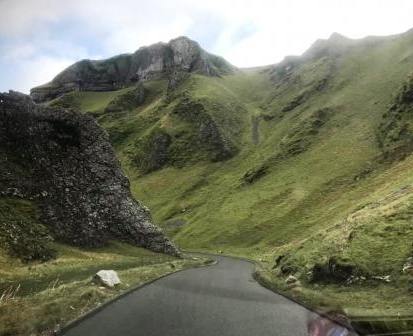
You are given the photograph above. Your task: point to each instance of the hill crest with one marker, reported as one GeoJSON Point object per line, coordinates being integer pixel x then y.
{"type": "Point", "coordinates": [160, 60]}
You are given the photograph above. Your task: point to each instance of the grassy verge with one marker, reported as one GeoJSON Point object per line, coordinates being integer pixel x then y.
{"type": "Point", "coordinates": [376, 309]}
{"type": "Point", "coordinates": [38, 299]}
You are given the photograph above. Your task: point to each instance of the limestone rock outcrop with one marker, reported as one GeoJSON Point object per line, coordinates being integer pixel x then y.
{"type": "Point", "coordinates": [161, 60]}
{"type": "Point", "coordinates": [62, 160]}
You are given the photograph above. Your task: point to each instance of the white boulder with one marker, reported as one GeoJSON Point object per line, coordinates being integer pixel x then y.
{"type": "Point", "coordinates": [107, 278]}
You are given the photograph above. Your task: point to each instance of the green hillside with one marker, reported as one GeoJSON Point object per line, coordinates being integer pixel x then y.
{"type": "Point", "coordinates": [305, 166]}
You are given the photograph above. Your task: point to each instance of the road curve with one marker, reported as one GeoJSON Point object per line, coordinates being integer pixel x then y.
{"type": "Point", "coordinates": [222, 299]}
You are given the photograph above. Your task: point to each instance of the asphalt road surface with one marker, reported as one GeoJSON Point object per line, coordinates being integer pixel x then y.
{"type": "Point", "coordinates": [220, 300]}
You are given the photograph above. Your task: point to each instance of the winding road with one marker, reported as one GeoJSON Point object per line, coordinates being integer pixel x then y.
{"type": "Point", "coordinates": [222, 299]}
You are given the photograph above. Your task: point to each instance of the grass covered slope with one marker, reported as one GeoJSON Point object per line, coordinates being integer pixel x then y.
{"type": "Point", "coordinates": [295, 164]}
{"type": "Point", "coordinates": [41, 298]}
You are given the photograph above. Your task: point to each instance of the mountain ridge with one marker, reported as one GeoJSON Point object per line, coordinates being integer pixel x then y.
{"type": "Point", "coordinates": [180, 55]}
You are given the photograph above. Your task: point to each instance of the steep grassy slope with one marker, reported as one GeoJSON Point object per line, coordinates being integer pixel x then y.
{"type": "Point", "coordinates": [288, 164]}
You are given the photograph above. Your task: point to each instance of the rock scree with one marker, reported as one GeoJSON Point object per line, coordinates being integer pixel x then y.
{"type": "Point", "coordinates": [62, 160]}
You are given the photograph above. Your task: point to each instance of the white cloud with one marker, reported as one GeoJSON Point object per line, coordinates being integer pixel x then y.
{"type": "Point", "coordinates": [285, 27]}
{"type": "Point", "coordinates": [24, 65]}
{"type": "Point", "coordinates": [42, 69]}
{"type": "Point", "coordinates": [32, 72]}
{"type": "Point", "coordinates": [246, 32]}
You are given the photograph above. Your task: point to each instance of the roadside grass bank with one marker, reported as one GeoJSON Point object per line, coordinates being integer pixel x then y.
{"type": "Point", "coordinates": [373, 309]}
{"type": "Point", "coordinates": [41, 298]}
{"type": "Point", "coordinates": [362, 305]}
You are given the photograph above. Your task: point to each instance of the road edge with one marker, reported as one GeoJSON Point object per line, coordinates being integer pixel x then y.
{"type": "Point", "coordinates": [271, 287]}
{"type": "Point", "coordinates": [128, 291]}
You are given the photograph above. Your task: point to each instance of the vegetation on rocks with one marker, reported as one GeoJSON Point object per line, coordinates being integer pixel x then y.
{"type": "Point", "coordinates": [152, 150]}
{"type": "Point", "coordinates": [396, 129]}
{"type": "Point", "coordinates": [22, 235]}
{"type": "Point", "coordinates": [127, 101]}
{"type": "Point", "coordinates": [299, 138]}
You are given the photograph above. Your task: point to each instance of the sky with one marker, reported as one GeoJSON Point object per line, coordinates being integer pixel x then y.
{"type": "Point", "coordinates": [40, 38]}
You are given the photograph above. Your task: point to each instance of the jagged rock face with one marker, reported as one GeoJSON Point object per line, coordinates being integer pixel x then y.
{"type": "Point", "coordinates": [188, 56]}
{"type": "Point", "coordinates": [68, 167]}
{"type": "Point", "coordinates": [160, 60]}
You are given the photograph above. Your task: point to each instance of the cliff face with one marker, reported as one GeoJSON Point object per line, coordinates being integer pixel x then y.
{"type": "Point", "coordinates": [62, 160]}
{"type": "Point", "coordinates": [160, 60]}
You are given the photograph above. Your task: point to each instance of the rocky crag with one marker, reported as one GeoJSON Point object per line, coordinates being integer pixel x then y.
{"type": "Point", "coordinates": [162, 60]}
{"type": "Point", "coordinates": [63, 162]}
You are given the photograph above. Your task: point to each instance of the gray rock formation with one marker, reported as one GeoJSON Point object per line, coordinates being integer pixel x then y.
{"type": "Point", "coordinates": [161, 60]}
{"type": "Point", "coordinates": [62, 160]}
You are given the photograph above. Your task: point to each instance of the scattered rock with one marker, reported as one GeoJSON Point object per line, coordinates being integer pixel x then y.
{"type": "Point", "coordinates": [408, 266]}
{"type": "Point", "coordinates": [385, 278]}
{"type": "Point", "coordinates": [355, 279]}
{"type": "Point", "coordinates": [291, 279]}
{"type": "Point", "coordinates": [292, 282]}
{"type": "Point", "coordinates": [107, 278]}
{"type": "Point", "coordinates": [334, 271]}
